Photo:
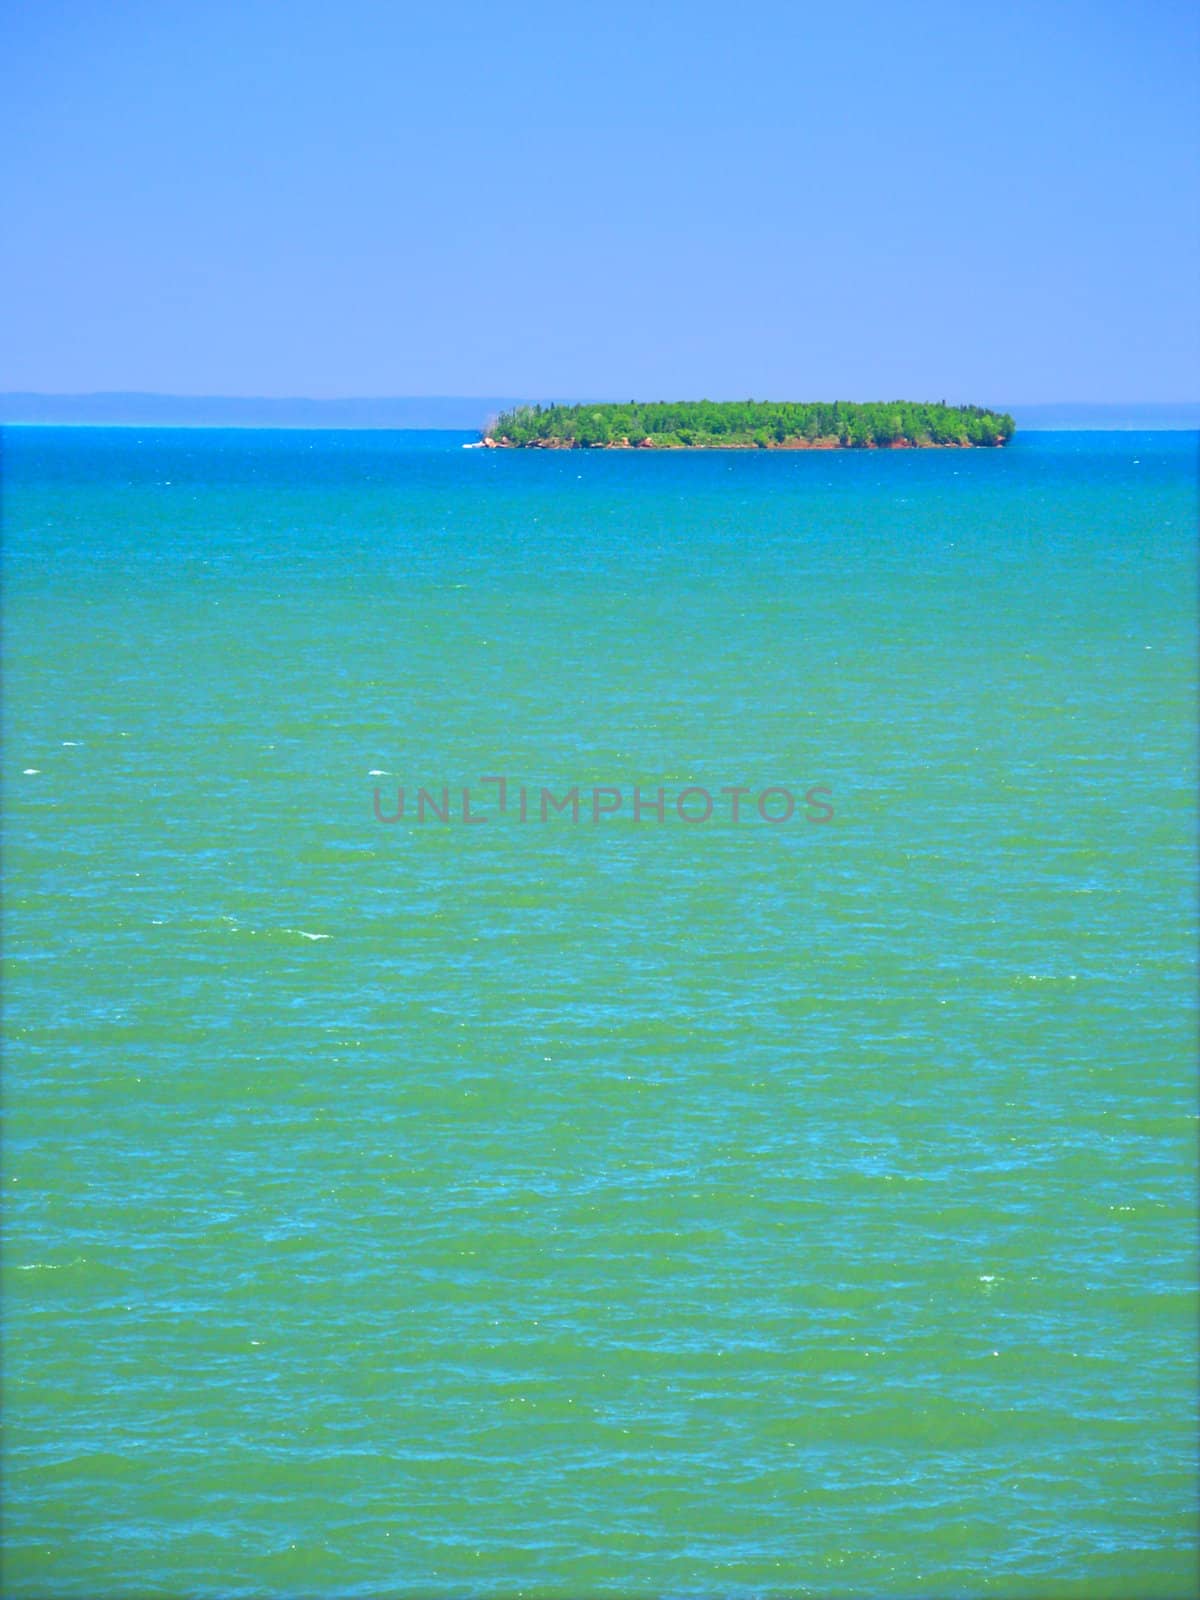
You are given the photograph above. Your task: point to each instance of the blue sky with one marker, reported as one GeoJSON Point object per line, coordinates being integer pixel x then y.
{"type": "Point", "coordinates": [982, 202]}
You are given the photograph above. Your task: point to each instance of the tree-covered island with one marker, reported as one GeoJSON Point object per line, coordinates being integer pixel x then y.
{"type": "Point", "coordinates": [749, 425]}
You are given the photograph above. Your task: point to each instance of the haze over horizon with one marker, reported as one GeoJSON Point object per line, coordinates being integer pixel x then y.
{"type": "Point", "coordinates": [465, 412]}
{"type": "Point", "coordinates": [381, 202]}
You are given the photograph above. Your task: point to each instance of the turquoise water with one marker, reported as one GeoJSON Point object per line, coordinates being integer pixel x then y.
{"type": "Point", "coordinates": [626, 1208]}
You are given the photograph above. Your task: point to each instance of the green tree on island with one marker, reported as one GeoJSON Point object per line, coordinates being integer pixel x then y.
{"type": "Point", "coordinates": [750, 424]}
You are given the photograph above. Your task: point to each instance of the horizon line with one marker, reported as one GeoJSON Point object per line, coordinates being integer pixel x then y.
{"type": "Point", "coordinates": [378, 399]}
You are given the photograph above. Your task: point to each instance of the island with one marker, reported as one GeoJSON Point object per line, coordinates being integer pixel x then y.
{"type": "Point", "coordinates": [748, 425]}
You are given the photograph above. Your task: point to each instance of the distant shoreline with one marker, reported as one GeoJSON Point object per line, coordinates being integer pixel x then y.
{"type": "Point", "coordinates": [441, 413]}
{"type": "Point", "coordinates": [465, 413]}
{"type": "Point", "coordinates": [468, 413]}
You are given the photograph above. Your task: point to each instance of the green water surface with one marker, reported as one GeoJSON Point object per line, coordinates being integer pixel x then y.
{"type": "Point", "coordinates": [598, 1209]}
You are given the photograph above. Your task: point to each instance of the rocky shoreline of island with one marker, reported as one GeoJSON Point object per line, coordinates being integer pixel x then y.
{"type": "Point", "coordinates": [490, 443]}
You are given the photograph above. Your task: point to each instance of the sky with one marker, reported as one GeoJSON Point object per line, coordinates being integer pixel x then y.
{"type": "Point", "coordinates": [978, 202]}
